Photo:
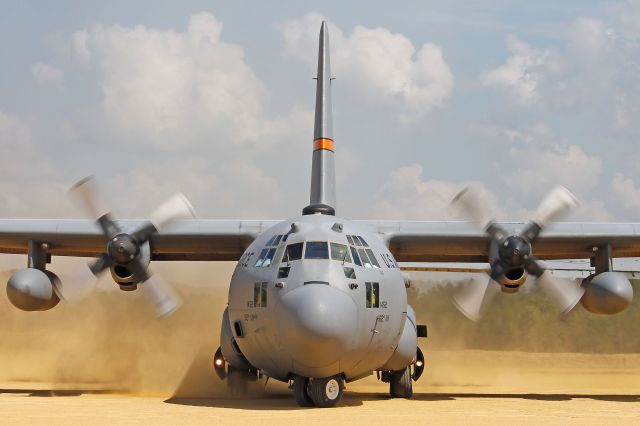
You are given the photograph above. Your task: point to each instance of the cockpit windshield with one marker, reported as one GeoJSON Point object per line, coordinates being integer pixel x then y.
{"type": "Point", "coordinates": [316, 250]}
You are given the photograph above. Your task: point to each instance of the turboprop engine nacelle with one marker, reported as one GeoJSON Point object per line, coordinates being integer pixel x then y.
{"type": "Point", "coordinates": [33, 289]}
{"type": "Point", "coordinates": [606, 293]}
{"type": "Point", "coordinates": [124, 275]}
{"type": "Point", "coordinates": [511, 281]}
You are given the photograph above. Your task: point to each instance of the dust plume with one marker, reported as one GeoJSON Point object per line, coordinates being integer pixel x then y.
{"type": "Point", "coordinates": [112, 339]}
{"type": "Point", "coordinates": [526, 321]}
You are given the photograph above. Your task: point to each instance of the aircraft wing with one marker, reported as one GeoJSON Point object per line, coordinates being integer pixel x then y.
{"type": "Point", "coordinates": [409, 241]}
{"type": "Point", "coordinates": [415, 241]}
{"type": "Point", "coordinates": [182, 240]}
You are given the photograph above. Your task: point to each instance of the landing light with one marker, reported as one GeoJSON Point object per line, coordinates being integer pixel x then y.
{"type": "Point", "coordinates": [418, 363]}
{"type": "Point", "coordinates": [219, 362]}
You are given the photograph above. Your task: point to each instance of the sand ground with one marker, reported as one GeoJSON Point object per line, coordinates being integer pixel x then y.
{"type": "Point", "coordinates": [461, 387]}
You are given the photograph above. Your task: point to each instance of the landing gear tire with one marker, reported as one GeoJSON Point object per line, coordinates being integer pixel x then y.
{"type": "Point", "coordinates": [400, 385]}
{"type": "Point", "coordinates": [326, 392]}
{"type": "Point", "coordinates": [300, 391]}
{"type": "Point", "coordinates": [237, 381]}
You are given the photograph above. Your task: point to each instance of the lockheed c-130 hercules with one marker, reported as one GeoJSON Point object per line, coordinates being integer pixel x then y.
{"type": "Point", "coordinates": [319, 300]}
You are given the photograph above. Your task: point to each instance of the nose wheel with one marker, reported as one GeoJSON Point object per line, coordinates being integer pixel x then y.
{"type": "Point", "coordinates": [322, 393]}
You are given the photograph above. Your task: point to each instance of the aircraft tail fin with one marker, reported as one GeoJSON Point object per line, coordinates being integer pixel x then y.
{"type": "Point", "coordinates": [323, 180]}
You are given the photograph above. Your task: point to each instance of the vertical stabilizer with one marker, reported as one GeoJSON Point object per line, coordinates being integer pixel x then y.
{"type": "Point", "coordinates": [323, 179]}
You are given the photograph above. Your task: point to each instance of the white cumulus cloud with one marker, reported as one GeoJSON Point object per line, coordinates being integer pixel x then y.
{"type": "Point", "coordinates": [172, 88]}
{"type": "Point", "coordinates": [44, 73]}
{"type": "Point", "coordinates": [523, 72]}
{"type": "Point", "coordinates": [381, 66]}
{"type": "Point", "coordinates": [626, 192]}
{"type": "Point", "coordinates": [407, 195]}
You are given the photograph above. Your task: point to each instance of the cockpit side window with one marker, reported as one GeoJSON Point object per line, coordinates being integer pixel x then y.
{"type": "Point", "coordinates": [362, 241]}
{"type": "Point", "coordinates": [268, 258]}
{"type": "Point", "coordinates": [365, 259]}
{"type": "Point", "coordinates": [372, 258]}
{"type": "Point", "coordinates": [316, 250]}
{"type": "Point", "coordinates": [350, 240]}
{"type": "Point", "coordinates": [356, 258]}
{"type": "Point", "coordinates": [294, 252]}
{"type": "Point", "coordinates": [263, 254]}
{"type": "Point", "coordinates": [340, 252]}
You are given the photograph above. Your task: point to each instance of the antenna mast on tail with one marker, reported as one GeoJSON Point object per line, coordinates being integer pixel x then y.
{"type": "Point", "coordinates": [323, 176]}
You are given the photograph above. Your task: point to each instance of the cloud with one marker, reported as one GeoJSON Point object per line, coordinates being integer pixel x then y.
{"type": "Point", "coordinates": [522, 74]}
{"type": "Point", "coordinates": [405, 195]}
{"type": "Point", "coordinates": [28, 187]}
{"type": "Point", "coordinates": [381, 66]}
{"type": "Point", "coordinates": [629, 15]}
{"type": "Point", "coordinates": [625, 191]}
{"type": "Point", "coordinates": [536, 170]}
{"type": "Point", "coordinates": [44, 73]}
{"type": "Point", "coordinates": [173, 89]}
{"type": "Point", "coordinates": [594, 68]}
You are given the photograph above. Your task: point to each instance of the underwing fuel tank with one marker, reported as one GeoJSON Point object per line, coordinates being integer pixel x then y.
{"type": "Point", "coordinates": [32, 289]}
{"type": "Point", "coordinates": [607, 293]}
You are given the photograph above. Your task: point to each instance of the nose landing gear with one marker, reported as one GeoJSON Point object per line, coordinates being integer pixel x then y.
{"type": "Point", "coordinates": [322, 393]}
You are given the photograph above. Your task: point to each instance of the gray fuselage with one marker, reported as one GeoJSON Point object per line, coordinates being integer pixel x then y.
{"type": "Point", "coordinates": [310, 309]}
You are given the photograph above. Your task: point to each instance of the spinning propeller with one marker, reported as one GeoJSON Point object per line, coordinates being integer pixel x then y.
{"type": "Point", "coordinates": [127, 251]}
{"type": "Point", "coordinates": [510, 255]}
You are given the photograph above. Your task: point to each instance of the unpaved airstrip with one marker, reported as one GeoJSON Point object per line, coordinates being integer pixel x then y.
{"type": "Point", "coordinates": [463, 387]}
{"type": "Point", "coordinates": [107, 360]}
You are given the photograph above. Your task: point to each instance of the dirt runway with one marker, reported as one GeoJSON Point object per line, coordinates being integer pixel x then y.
{"type": "Point", "coordinates": [461, 387]}
{"type": "Point", "coordinates": [108, 361]}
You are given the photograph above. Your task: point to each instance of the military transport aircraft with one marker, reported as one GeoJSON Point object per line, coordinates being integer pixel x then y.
{"type": "Point", "coordinates": [319, 300]}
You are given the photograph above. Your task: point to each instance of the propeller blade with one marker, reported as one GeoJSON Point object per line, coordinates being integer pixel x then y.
{"type": "Point", "coordinates": [176, 207]}
{"type": "Point", "coordinates": [164, 298]}
{"type": "Point", "coordinates": [558, 202]}
{"type": "Point", "coordinates": [473, 205]}
{"type": "Point", "coordinates": [565, 293]}
{"type": "Point", "coordinates": [100, 264]}
{"type": "Point", "coordinates": [84, 192]}
{"type": "Point", "coordinates": [473, 300]}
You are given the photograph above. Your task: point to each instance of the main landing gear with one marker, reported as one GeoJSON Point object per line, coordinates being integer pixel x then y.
{"type": "Point", "coordinates": [401, 381]}
{"type": "Point", "coordinates": [322, 393]}
{"type": "Point", "coordinates": [237, 379]}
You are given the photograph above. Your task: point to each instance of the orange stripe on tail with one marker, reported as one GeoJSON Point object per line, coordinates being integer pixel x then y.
{"type": "Point", "coordinates": [323, 143]}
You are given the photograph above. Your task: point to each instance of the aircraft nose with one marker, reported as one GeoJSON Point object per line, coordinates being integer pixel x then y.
{"type": "Point", "coordinates": [317, 324]}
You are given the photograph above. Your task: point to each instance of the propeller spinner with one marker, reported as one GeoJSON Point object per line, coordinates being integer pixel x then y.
{"type": "Point", "coordinates": [511, 256]}
{"type": "Point", "coordinates": [125, 250]}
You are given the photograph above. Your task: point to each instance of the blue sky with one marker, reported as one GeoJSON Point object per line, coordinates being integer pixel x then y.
{"type": "Point", "coordinates": [215, 99]}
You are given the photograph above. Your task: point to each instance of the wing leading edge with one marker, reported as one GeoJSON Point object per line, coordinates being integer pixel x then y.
{"type": "Point", "coordinates": [409, 241]}
{"type": "Point", "coordinates": [415, 241]}
{"type": "Point", "coordinates": [183, 240]}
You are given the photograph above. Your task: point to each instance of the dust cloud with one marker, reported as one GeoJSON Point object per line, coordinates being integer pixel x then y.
{"type": "Point", "coordinates": [112, 340]}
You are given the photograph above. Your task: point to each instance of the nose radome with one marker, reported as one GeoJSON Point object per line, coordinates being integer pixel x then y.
{"type": "Point", "coordinates": [316, 323]}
